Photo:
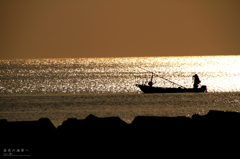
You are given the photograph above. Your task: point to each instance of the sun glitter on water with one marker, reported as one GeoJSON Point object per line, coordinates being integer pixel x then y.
{"type": "Point", "coordinates": [116, 75]}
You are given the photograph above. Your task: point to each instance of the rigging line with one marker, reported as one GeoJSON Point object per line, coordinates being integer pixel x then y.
{"type": "Point", "coordinates": [162, 77]}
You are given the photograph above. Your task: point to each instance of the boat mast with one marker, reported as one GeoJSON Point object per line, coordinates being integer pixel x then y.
{"type": "Point", "coordinates": [151, 83]}
{"type": "Point", "coordinates": [161, 77]}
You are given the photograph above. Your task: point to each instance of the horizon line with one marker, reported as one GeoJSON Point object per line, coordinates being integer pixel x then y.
{"type": "Point", "coordinates": [110, 57]}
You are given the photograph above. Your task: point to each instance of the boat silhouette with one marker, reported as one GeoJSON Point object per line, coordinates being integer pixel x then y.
{"type": "Point", "coordinates": [149, 88]}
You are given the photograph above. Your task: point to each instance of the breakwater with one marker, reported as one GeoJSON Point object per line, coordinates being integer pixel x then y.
{"type": "Point", "coordinates": [95, 136]}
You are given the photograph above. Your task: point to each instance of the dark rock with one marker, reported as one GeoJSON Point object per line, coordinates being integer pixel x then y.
{"type": "Point", "coordinates": [217, 126]}
{"type": "Point", "coordinates": [29, 135]}
{"type": "Point", "coordinates": [105, 136]}
{"type": "Point", "coordinates": [98, 134]}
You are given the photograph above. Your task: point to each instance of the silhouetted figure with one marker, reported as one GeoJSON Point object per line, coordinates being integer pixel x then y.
{"type": "Point", "coordinates": [150, 83]}
{"type": "Point", "coordinates": [196, 81]}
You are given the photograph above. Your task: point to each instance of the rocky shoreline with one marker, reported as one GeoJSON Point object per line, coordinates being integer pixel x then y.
{"type": "Point", "coordinates": [104, 136]}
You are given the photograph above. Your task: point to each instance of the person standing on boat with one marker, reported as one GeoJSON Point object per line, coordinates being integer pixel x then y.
{"type": "Point", "coordinates": [196, 81]}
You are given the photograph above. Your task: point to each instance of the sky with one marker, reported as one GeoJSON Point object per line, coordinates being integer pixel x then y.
{"type": "Point", "coordinates": [118, 28]}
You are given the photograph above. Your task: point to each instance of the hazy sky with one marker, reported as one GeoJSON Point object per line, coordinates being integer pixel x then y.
{"type": "Point", "coordinates": [116, 28]}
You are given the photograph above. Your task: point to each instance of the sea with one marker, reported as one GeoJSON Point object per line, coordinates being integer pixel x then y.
{"type": "Point", "coordinates": [62, 88]}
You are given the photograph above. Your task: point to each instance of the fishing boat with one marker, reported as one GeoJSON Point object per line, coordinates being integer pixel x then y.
{"type": "Point", "coordinates": [149, 88]}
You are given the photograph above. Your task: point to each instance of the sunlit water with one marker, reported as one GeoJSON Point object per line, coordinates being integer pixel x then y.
{"type": "Point", "coordinates": [74, 88]}
{"type": "Point", "coordinates": [105, 75]}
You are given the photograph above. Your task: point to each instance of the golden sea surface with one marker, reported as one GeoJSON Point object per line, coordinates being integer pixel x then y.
{"type": "Point", "coordinates": [116, 75]}
{"type": "Point", "coordinates": [59, 89]}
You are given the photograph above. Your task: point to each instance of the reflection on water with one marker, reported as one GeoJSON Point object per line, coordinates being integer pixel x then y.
{"type": "Point", "coordinates": [219, 73]}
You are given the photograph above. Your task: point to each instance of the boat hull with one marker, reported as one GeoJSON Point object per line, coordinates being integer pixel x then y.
{"type": "Point", "coordinates": [148, 89]}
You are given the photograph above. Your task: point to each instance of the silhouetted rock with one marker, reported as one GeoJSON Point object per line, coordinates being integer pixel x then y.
{"type": "Point", "coordinates": [217, 122]}
{"type": "Point", "coordinates": [29, 135]}
{"type": "Point", "coordinates": [218, 117]}
{"type": "Point", "coordinates": [105, 136]}
{"type": "Point", "coordinates": [92, 123]}
{"type": "Point", "coordinates": [161, 125]}
{"type": "Point", "coordinates": [165, 130]}
{"type": "Point", "coordinates": [98, 134]}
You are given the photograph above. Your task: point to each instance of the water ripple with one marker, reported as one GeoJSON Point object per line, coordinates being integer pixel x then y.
{"type": "Point", "coordinates": [219, 73]}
